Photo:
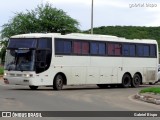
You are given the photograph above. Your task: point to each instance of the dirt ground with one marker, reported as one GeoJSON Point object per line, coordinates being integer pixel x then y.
{"type": "Point", "coordinates": [1, 77]}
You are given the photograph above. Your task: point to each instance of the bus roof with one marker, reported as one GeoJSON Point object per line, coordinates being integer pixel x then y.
{"type": "Point", "coordinates": [35, 35]}
{"type": "Point", "coordinates": [81, 36]}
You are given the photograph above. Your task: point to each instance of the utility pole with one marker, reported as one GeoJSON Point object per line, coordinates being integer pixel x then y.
{"type": "Point", "coordinates": [92, 18]}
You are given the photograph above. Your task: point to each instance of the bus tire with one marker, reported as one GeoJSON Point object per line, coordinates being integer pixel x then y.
{"type": "Point", "coordinates": [136, 81]}
{"type": "Point", "coordinates": [58, 82]}
{"type": "Point", "coordinates": [126, 81]}
{"type": "Point", "coordinates": [33, 87]}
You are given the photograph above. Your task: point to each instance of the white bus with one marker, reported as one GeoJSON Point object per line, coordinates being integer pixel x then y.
{"type": "Point", "coordinates": [55, 60]}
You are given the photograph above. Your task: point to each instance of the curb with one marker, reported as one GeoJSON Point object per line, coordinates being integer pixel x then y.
{"type": "Point", "coordinates": [148, 99]}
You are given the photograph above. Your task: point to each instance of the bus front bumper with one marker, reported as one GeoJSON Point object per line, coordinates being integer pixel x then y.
{"type": "Point", "coordinates": [18, 81]}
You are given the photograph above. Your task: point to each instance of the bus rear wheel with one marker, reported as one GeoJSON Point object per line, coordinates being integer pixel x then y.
{"type": "Point", "coordinates": [33, 87]}
{"type": "Point", "coordinates": [136, 81]}
{"type": "Point", "coordinates": [58, 82]}
{"type": "Point", "coordinates": [126, 81]}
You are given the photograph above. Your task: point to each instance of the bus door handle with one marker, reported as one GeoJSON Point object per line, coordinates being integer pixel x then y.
{"type": "Point", "coordinates": [101, 75]}
{"type": "Point", "coordinates": [121, 68]}
{"type": "Point", "coordinates": [91, 75]}
{"type": "Point", "coordinates": [77, 75]}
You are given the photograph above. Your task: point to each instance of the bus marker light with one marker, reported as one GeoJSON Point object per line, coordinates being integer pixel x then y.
{"type": "Point", "coordinates": [25, 80]}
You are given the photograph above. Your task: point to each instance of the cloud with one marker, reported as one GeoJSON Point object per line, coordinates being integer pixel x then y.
{"type": "Point", "coordinates": [113, 3]}
{"type": "Point", "coordinates": [154, 10]}
{"type": "Point", "coordinates": [111, 12]}
{"type": "Point", "coordinates": [106, 12]}
{"type": "Point", "coordinates": [71, 2]}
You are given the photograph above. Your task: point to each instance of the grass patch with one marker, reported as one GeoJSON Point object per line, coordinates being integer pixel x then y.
{"type": "Point", "coordinates": [1, 70]}
{"type": "Point", "coordinates": [151, 90]}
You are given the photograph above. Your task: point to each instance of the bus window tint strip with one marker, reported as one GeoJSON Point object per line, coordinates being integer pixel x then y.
{"type": "Point", "coordinates": [140, 50]}
{"type": "Point", "coordinates": [110, 49]}
{"type": "Point", "coordinates": [101, 48]}
{"type": "Point", "coordinates": [143, 50]}
{"type": "Point", "coordinates": [117, 49]}
{"type": "Point", "coordinates": [146, 50]}
{"type": "Point", "coordinates": [45, 43]}
{"type": "Point", "coordinates": [114, 49]}
{"type": "Point", "coordinates": [125, 50]}
{"type": "Point", "coordinates": [97, 48]}
{"type": "Point", "coordinates": [63, 47]}
{"type": "Point", "coordinates": [128, 50]}
{"type": "Point", "coordinates": [67, 47]}
{"type": "Point", "coordinates": [152, 50]}
{"type": "Point", "coordinates": [77, 47]}
{"type": "Point", "coordinates": [19, 43]}
{"type": "Point", "coordinates": [59, 46]}
{"type": "Point", "coordinates": [94, 48]}
{"type": "Point", "coordinates": [132, 50]}
{"type": "Point", "coordinates": [85, 48]}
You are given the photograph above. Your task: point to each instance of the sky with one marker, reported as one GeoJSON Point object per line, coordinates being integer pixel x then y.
{"type": "Point", "coordinates": [106, 12]}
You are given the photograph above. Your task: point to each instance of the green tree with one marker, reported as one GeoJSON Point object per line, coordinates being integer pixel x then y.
{"type": "Point", "coordinates": [3, 44]}
{"type": "Point", "coordinates": [43, 19]}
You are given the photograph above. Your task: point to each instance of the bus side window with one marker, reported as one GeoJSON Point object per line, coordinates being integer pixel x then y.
{"type": "Point", "coordinates": [39, 54]}
{"type": "Point", "coordinates": [153, 50]}
{"type": "Point", "coordinates": [43, 60]}
{"type": "Point", "coordinates": [132, 50]}
{"type": "Point", "coordinates": [40, 61]}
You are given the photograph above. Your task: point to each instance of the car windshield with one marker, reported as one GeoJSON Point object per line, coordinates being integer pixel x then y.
{"type": "Point", "coordinates": [19, 60]}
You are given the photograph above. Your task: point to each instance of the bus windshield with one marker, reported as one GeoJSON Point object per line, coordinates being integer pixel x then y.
{"type": "Point", "coordinates": [22, 43]}
{"type": "Point", "coordinates": [19, 60]}
{"type": "Point", "coordinates": [25, 54]}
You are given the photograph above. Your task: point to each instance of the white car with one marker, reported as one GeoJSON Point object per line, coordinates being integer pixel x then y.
{"type": "Point", "coordinates": [158, 72]}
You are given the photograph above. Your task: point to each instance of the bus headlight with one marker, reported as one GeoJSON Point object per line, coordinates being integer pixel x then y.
{"type": "Point", "coordinates": [5, 74]}
{"type": "Point", "coordinates": [28, 75]}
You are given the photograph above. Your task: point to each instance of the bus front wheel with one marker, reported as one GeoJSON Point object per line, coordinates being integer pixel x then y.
{"type": "Point", "coordinates": [33, 87]}
{"type": "Point", "coordinates": [58, 82]}
{"type": "Point", "coordinates": [126, 81]}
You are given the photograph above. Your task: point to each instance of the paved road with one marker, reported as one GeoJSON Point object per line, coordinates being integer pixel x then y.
{"type": "Point", "coordinates": [71, 98]}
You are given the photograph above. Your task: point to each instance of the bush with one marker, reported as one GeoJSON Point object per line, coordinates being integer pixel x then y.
{"type": "Point", "coordinates": [1, 70]}
{"type": "Point", "coordinates": [151, 90]}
